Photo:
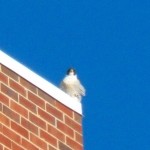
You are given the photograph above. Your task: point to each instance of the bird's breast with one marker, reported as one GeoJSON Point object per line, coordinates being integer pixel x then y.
{"type": "Point", "coordinates": [70, 80]}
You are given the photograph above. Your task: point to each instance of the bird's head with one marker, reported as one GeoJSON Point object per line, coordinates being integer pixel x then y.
{"type": "Point", "coordinates": [71, 71]}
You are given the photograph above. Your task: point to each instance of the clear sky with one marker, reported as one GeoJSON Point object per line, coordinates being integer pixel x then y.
{"type": "Point", "coordinates": [108, 42]}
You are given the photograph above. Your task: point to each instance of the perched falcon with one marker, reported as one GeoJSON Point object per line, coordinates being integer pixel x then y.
{"type": "Point", "coordinates": [72, 86]}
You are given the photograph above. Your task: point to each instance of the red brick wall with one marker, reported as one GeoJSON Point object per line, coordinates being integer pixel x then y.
{"type": "Point", "coordinates": [32, 120]}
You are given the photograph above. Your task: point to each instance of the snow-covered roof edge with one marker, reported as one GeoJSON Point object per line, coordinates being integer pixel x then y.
{"type": "Point", "coordinates": [40, 82]}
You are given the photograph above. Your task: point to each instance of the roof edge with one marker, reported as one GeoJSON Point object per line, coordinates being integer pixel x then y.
{"type": "Point", "coordinates": [40, 82]}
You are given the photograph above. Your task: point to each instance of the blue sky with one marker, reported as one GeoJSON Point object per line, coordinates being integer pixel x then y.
{"type": "Point", "coordinates": [108, 42]}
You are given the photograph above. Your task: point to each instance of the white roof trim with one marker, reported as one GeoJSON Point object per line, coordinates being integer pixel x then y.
{"type": "Point", "coordinates": [40, 82]}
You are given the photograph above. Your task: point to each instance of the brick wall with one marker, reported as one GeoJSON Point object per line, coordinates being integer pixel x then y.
{"type": "Point", "coordinates": [30, 119]}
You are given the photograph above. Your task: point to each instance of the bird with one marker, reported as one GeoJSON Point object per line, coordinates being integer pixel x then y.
{"type": "Point", "coordinates": [72, 85]}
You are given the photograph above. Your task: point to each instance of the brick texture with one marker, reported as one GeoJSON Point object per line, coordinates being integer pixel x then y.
{"type": "Point", "coordinates": [30, 119]}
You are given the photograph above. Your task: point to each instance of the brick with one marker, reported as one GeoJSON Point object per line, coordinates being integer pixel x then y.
{"type": "Point", "coordinates": [64, 109]}
{"type": "Point", "coordinates": [28, 85]}
{"type": "Point", "coordinates": [19, 109]}
{"type": "Point", "coordinates": [1, 128]}
{"type": "Point", "coordinates": [46, 97]}
{"type": "Point", "coordinates": [9, 72]}
{"type": "Point", "coordinates": [18, 88]}
{"type": "Point", "coordinates": [1, 147]}
{"type": "Point", "coordinates": [54, 112]}
{"type": "Point", "coordinates": [38, 142]}
{"type": "Point", "coordinates": [36, 100]}
{"type": "Point", "coordinates": [59, 135]}
{"type": "Point", "coordinates": [44, 115]}
{"type": "Point", "coordinates": [30, 106]}
{"type": "Point", "coordinates": [16, 147]}
{"type": "Point", "coordinates": [6, 148]}
{"type": "Point", "coordinates": [51, 148]}
{"type": "Point", "coordinates": [71, 123]}
{"type": "Point", "coordinates": [11, 114]}
{"type": "Point", "coordinates": [63, 146]}
{"type": "Point", "coordinates": [73, 144]}
{"type": "Point", "coordinates": [5, 141]}
{"type": "Point", "coordinates": [9, 92]}
{"type": "Point", "coordinates": [47, 137]}
{"type": "Point", "coordinates": [78, 138]}
{"type": "Point", "coordinates": [0, 106]}
{"type": "Point", "coordinates": [65, 129]}
{"type": "Point", "coordinates": [4, 99]}
{"type": "Point", "coordinates": [37, 121]}
{"type": "Point", "coordinates": [77, 118]}
{"type": "Point", "coordinates": [28, 145]}
{"type": "Point", "coordinates": [29, 126]}
{"type": "Point", "coordinates": [3, 78]}
{"type": "Point", "coordinates": [4, 120]}
{"type": "Point", "coordinates": [20, 130]}
{"type": "Point", "coordinates": [11, 135]}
